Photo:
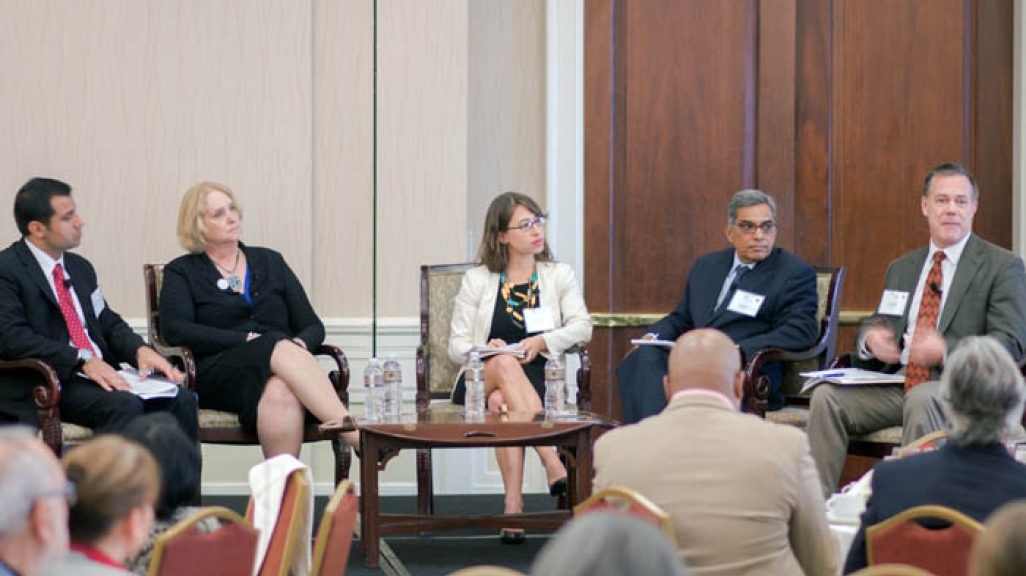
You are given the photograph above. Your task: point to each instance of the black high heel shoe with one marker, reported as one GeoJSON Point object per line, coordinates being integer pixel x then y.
{"type": "Point", "coordinates": [558, 488]}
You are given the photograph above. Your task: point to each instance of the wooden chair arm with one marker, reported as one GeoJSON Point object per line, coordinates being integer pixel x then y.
{"type": "Point", "coordinates": [46, 394]}
{"type": "Point", "coordinates": [757, 384]}
{"type": "Point", "coordinates": [340, 375]}
{"type": "Point", "coordinates": [186, 360]}
{"type": "Point", "coordinates": [423, 394]}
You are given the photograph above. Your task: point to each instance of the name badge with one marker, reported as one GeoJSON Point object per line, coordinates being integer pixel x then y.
{"type": "Point", "coordinates": [892, 303]}
{"type": "Point", "coordinates": [98, 302]}
{"type": "Point", "coordinates": [538, 320]}
{"type": "Point", "coordinates": [746, 303]}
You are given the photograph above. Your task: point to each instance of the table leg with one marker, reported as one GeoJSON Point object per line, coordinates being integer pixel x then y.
{"type": "Point", "coordinates": [585, 469]}
{"type": "Point", "coordinates": [369, 501]}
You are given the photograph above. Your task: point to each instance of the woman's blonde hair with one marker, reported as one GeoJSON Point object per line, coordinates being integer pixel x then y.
{"type": "Point", "coordinates": [495, 254]}
{"type": "Point", "coordinates": [191, 230]}
{"type": "Point", "coordinates": [112, 477]}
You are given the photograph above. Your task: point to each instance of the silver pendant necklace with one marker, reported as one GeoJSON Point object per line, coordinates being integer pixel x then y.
{"type": "Point", "coordinates": [233, 282]}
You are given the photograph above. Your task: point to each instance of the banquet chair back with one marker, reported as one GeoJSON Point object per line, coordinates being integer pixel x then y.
{"type": "Point", "coordinates": [185, 548]}
{"type": "Point", "coordinates": [485, 570]}
{"type": "Point", "coordinates": [335, 534]}
{"type": "Point", "coordinates": [631, 502]}
{"type": "Point", "coordinates": [288, 527]}
{"type": "Point", "coordinates": [891, 570]}
{"type": "Point", "coordinates": [934, 538]}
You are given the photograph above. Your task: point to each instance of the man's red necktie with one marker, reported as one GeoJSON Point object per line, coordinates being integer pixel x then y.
{"type": "Point", "coordinates": [75, 329]}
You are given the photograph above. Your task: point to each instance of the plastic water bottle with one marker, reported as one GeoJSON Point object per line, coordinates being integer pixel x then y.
{"type": "Point", "coordinates": [374, 392]}
{"type": "Point", "coordinates": [555, 381]}
{"type": "Point", "coordinates": [393, 375]}
{"type": "Point", "coordinates": [474, 400]}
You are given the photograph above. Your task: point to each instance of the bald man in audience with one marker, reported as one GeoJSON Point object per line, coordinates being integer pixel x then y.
{"type": "Point", "coordinates": [743, 493]}
{"type": "Point", "coordinates": [34, 509]}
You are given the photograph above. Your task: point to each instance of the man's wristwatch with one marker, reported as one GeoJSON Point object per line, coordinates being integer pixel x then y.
{"type": "Point", "coordinates": [83, 357]}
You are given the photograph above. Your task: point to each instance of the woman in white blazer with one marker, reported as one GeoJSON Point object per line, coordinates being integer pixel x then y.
{"type": "Point", "coordinates": [517, 295]}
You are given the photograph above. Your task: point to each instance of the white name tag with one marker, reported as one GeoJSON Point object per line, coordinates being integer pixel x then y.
{"type": "Point", "coordinates": [746, 303]}
{"type": "Point", "coordinates": [538, 320]}
{"type": "Point", "coordinates": [98, 302]}
{"type": "Point", "coordinates": [892, 303]}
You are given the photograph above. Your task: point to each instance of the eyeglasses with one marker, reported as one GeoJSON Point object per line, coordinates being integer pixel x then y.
{"type": "Point", "coordinates": [528, 224]}
{"type": "Point", "coordinates": [747, 227]}
{"type": "Point", "coordinates": [67, 492]}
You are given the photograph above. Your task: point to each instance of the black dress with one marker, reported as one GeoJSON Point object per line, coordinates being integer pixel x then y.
{"type": "Point", "coordinates": [506, 329]}
{"type": "Point", "coordinates": [214, 323]}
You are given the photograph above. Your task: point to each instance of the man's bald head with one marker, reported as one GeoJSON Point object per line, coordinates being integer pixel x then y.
{"type": "Point", "coordinates": [705, 359]}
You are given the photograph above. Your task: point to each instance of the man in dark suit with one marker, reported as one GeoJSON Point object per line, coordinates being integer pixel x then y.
{"type": "Point", "coordinates": [957, 286]}
{"type": "Point", "coordinates": [974, 472]}
{"type": "Point", "coordinates": [758, 295]}
{"type": "Point", "coordinates": [52, 308]}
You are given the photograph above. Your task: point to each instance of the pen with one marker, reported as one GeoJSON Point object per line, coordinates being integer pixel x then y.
{"type": "Point", "coordinates": [832, 375]}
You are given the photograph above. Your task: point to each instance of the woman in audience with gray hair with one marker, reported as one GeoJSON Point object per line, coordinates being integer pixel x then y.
{"type": "Point", "coordinates": [609, 544]}
{"type": "Point", "coordinates": [974, 473]}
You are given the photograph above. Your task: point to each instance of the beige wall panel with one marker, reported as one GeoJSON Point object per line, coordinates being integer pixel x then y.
{"type": "Point", "coordinates": [422, 144]}
{"type": "Point", "coordinates": [343, 156]}
{"type": "Point", "coordinates": [132, 101]}
{"type": "Point", "coordinates": [506, 127]}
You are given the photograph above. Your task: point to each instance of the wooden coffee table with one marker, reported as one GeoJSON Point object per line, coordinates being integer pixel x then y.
{"type": "Point", "coordinates": [572, 434]}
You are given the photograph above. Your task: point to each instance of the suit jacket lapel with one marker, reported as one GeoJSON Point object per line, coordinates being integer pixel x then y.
{"type": "Point", "coordinates": [35, 272]}
{"type": "Point", "coordinates": [968, 265]}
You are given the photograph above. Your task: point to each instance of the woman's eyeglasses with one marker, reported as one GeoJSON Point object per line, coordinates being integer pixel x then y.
{"type": "Point", "coordinates": [528, 224]}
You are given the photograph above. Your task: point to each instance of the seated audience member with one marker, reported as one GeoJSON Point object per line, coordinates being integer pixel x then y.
{"type": "Point", "coordinates": [248, 320]}
{"type": "Point", "coordinates": [608, 544]}
{"type": "Point", "coordinates": [722, 292]}
{"type": "Point", "coordinates": [1000, 550]}
{"type": "Point", "coordinates": [742, 492]}
{"type": "Point", "coordinates": [34, 514]}
{"type": "Point", "coordinates": [973, 472]}
{"type": "Point", "coordinates": [117, 484]}
{"type": "Point", "coordinates": [957, 286]}
{"type": "Point", "coordinates": [52, 308]}
{"type": "Point", "coordinates": [178, 461]}
{"type": "Point", "coordinates": [518, 294]}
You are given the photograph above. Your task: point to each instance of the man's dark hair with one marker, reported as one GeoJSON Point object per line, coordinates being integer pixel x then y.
{"type": "Point", "coordinates": [33, 201]}
{"type": "Point", "coordinates": [950, 169]}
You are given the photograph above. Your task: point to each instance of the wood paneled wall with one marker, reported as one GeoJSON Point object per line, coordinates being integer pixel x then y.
{"type": "Point", "coordinates": [837, 108]}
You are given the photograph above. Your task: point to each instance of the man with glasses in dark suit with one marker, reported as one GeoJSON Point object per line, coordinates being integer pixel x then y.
{"type": "Point", "coordinates": [759, 295]}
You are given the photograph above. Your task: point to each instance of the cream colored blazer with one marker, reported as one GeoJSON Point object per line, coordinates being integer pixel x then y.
{"type": "Point", "coordinates": [475, 303]}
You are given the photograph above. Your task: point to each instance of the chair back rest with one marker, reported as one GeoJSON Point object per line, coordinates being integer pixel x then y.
{"type": "Point", "coordinates": [287, 528]}
{"type": "Point", "coordinates": [891, 570]}
{"type": "Point", "coordinates": [486, 570]}
{"type": "Point", "coordinates": [926, 443]}
{"type": "Point", "coordinates": [186, 548]}
{"type": "Point", "coordinates": [439, 286]}
{"type": "Point", "coordinates": [631, 502]}
{"type": "Point", "coordinates": [335, 534]}
{"type": "Point", "coordinates": [829, 283]}
{"type": "Point", "coordinates": [153, 276]}
{"type": "Point", "coordinates": [939, 547]}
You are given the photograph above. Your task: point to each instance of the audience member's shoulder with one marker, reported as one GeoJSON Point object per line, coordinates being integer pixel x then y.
{"type": "Point", "coordinates": [72, 259]}
{"type": "Point", "coordinates": [790, 259]}
{"type": "Point", "coordinates": [714, 257]}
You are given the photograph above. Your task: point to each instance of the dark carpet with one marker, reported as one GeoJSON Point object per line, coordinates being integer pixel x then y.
{"type": "Point", "coordinates": [440, 553]}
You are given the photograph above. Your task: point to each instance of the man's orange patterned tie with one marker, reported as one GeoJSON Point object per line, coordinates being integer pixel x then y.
{"type": "Point", "coordinates": [929, 309]}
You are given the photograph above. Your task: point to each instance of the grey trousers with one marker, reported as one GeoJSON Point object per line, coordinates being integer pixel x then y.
{"type": "Point", "coordinates": [837, 412]}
